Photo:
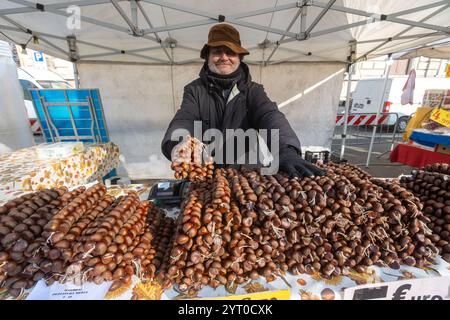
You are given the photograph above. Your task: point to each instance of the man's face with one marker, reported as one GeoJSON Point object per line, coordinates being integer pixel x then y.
{"type": "Point", "coordinates": [222, 60]}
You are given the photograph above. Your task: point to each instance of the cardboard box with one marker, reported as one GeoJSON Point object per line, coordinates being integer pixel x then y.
{"type": "Point", "coordinates": [443, 149]}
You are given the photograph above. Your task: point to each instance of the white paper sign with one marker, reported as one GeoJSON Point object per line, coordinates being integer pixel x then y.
{"type": "Point", "coordinates": [412, 289]}
{"type": "Point", "coordinates": [67, 291]}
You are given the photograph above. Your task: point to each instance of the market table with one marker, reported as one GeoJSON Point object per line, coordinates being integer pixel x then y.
{"type": "Point", "coordinates": [23, 170]}
{"type": "Point", "coordinates": [429, 138]}
{"type": "Point", "coordinates": [288, 286]}
{"type": "Point", "coordinates": [285, 286]}
{"type": "Point", "coordinates": [417, 157]}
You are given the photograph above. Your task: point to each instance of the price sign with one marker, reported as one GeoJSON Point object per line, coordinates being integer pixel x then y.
{"type": "Point", "coordinates": [413, 289]}
{"type": "Point", "coordinates": [441, 116]}
{"type": "Point", "coordinates": [88, 291]}
{"type": "Point", "coordinates": [67, 291]}
{"type": "Point", "coordinates": [265, 295]}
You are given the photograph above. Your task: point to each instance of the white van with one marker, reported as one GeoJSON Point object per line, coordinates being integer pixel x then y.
{"type": "Point", "coordinates": [38, 79]}
{"type": "Point", "coordinates": [366, 98]}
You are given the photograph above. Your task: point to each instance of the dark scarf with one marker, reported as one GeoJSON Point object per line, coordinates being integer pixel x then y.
{"type": "Point", "coordinates": [224, 82]}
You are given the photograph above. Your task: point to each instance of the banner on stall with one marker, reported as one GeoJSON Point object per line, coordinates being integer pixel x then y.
{"type": "Point", "coordinates": [413, 289]}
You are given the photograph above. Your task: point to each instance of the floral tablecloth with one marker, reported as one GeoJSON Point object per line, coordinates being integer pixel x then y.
{"type": "Point", "coordinates": [23, 171]}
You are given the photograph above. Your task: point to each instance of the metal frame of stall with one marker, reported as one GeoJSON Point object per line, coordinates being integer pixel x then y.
{"type": "Point", "coordinates": [287, 36]}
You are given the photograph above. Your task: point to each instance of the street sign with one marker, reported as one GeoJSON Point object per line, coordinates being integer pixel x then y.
{"type": "Point", "coordinates": [39, 61]}
{"type": "Point", "coordinates": [38, 56]}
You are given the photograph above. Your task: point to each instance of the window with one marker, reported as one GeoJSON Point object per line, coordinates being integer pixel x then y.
{"type": "Point", "coordinates": [427, 67]}
{"type": "Point", "coordinates": [26, 86]}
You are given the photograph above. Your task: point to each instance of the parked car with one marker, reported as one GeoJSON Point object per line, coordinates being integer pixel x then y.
{"type": "Point", "coordinates": [38, 79]}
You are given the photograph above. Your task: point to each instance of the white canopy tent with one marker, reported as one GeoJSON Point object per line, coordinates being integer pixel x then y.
{"type": "Point", "coordinates": [140, 54]}
{"type": "Point", "coordinates": [433, 51]}
{"type": "Point", "coordinates": [173, 32]}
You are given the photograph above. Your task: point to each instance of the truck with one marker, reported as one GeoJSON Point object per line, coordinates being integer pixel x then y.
{"type": "Point", "coordinates": [366, 98]}
{"type": "Point", "coordinates": [38, 79]}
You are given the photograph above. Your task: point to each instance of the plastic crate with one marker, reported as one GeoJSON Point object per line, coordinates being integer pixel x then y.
{"type": "Point", "coordinates": [70, 115]}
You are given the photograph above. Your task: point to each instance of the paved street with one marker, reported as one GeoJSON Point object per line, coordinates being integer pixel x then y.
{"type": "Point", "coordinates": [357, 148]}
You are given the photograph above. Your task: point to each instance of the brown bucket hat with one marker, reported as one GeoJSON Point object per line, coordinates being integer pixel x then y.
{"type": "Point", "coordinates": [223, 35]}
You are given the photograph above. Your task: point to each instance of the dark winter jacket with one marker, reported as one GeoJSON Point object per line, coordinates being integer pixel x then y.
{"type": "Point", "coordinates": [250, 108]}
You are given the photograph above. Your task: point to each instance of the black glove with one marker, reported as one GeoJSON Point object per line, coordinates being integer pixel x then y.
{"type": "Point", "coordinates": [293, 165]}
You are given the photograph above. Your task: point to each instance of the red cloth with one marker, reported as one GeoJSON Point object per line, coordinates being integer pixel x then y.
{"type": "Point", "coordinates": [417, 157]}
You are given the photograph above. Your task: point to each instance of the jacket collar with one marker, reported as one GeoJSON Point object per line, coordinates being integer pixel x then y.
{"type": "Point", "coordinates": [242, 84]}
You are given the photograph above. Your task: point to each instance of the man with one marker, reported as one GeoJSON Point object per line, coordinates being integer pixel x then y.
{"type": "Point", "coordinates": [225, 97]}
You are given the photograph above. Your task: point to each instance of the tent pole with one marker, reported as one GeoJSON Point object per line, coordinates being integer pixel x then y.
{"type": "Point", "coordinates": [389, 17]}
{"type": "Point", "coordinates": [347, 107]}
{"type": "Point", "coordinates": [318, 18]}
{"type": "Point", "coordinates": [76, 76]}
{"type": "Point", "coordinates": [304, 12]}
{"type": "Point", "coordinates": [350, 69]}
{"type": "Point", "coordinates": [386, 78]}
{"type": "Point", "coordinates": [404, 31]}
{"type": "Point", "coordinates": [299, 11]}
{"type": "Point", "coordinates": [134, 14]}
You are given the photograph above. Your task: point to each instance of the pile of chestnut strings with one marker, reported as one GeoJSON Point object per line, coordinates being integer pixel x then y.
{"type": "Point", "coordinates": [240, 225]}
